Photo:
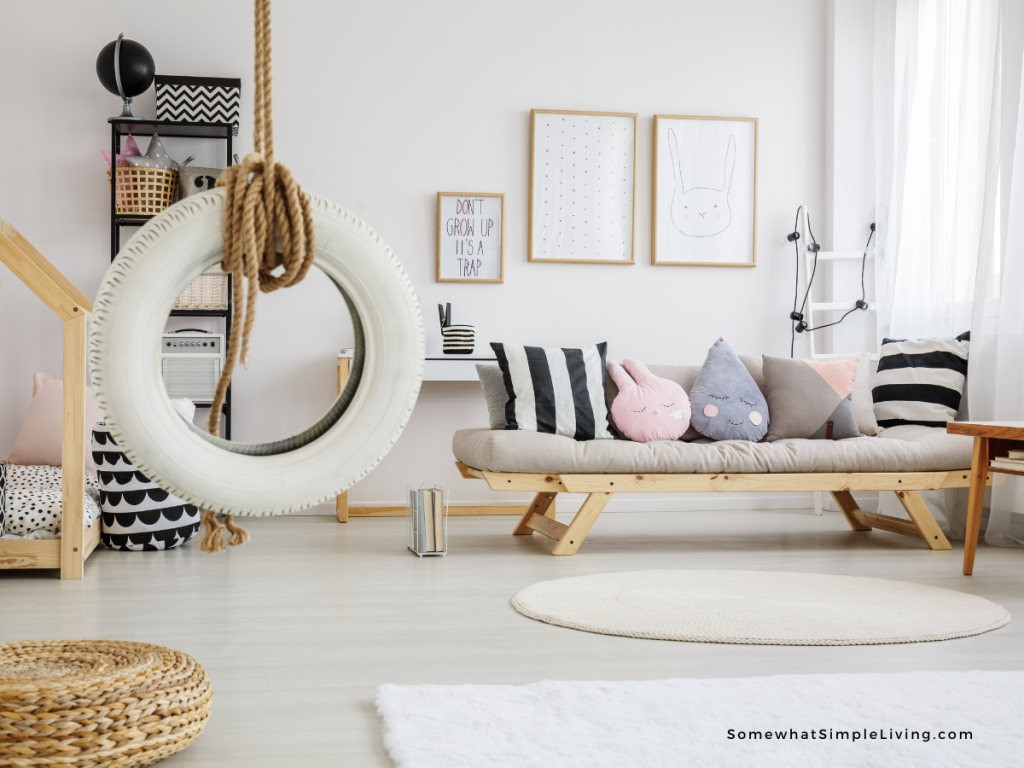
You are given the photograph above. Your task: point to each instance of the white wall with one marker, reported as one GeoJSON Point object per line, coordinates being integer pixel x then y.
{"type": "Point", "coordinates": [380, 105]}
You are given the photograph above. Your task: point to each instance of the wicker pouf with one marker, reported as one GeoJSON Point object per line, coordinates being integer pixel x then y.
{"type": "Point", "coordinates": [87, 703]}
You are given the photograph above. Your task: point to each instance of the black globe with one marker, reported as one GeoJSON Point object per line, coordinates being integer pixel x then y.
{"type": "Point", "coordinates": [137, 68]}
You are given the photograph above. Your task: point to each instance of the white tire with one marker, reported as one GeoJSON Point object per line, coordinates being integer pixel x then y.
{"type": "Point", "coordinates": [309, 468]}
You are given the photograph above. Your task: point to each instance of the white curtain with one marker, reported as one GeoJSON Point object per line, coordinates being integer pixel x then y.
{"type": "Point", "coordinates": [949, 153]}
{"type": "Point", "coordinates": [936, 87]}
{"type": "Point", "coordinates": [996, 371]}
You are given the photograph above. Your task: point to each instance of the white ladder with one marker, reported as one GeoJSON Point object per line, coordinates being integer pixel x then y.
{"type": "Point", "coordinates": [823, 308]}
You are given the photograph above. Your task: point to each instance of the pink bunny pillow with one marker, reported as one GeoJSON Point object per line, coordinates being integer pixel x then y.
{"type": "Point", "coordinates": [647, 407]}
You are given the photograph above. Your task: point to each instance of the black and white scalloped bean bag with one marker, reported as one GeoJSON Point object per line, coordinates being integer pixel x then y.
{"type": "Point", "coordinates": [137, 513]}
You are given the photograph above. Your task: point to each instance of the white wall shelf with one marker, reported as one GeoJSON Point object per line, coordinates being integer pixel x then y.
{"type": "Point", "coordinates": [447, 367]}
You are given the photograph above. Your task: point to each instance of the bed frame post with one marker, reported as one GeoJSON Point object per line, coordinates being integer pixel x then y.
{"type": "Point", "coordinates": [72, 542]}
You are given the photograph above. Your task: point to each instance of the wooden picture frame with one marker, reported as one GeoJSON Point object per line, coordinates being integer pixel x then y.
{"type": "Point", "coordinates": [460, 254]}
{"type": "Point", "coordinates": [593, 236]}
{"type": "Point", "coordinates": [721, 154]}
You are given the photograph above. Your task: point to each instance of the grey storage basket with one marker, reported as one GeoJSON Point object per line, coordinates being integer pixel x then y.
{"type": "Point", "coordinates": [194, 179]}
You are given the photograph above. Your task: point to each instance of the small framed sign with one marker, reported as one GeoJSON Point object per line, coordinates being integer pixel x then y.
{"type": "Point", "coordinates": [470, 237]}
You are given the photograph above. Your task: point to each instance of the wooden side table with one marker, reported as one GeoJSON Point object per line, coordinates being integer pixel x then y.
{"type": "Point", "coordinates": [991, 439]}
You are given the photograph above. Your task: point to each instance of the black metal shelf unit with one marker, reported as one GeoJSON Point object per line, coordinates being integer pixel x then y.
{"type": "Point", "coordinates": [120, 128]}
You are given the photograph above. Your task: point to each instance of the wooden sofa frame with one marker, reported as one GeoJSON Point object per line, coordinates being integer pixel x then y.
{"type": "Point", "coordinates": [540, 515]}
{"type": "Point", "coordinates": [77, 542]}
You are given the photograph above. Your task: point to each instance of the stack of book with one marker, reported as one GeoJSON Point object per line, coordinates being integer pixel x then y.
{"type": "Point", "coordinates": [427, 521]}
{"type": "Point", "coordinates": [1014, 461]}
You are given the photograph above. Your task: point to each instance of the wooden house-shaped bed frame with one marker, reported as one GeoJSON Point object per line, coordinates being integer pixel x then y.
{"type": "Point", "coordinates": [69, 304]}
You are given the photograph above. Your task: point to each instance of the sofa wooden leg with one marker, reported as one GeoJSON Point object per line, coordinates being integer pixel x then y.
{"type": "Point", "coordinates": [580, 526]}
{"type": "Point", "coordinates": [544, 505]}
{"type": "Point", "coordinates": [926, 525]}
{"type": "Point", "coordinates": [850, 510]}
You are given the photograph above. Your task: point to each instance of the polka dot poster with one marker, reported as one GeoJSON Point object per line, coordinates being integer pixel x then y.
{"type": "Point", "coordinates": [582, 179]}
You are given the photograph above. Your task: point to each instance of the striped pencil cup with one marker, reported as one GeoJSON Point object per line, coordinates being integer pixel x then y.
{"type": "Point", "coordinates": [458, 339]}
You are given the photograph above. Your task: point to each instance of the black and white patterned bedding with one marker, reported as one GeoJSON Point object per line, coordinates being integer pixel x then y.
{"type": "Point", "coordinates": [30, 501]}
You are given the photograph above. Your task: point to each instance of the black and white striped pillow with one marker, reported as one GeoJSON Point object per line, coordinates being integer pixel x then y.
{"type": "Point", "coordinates": [920, 382]}
{"type": "Point", "coordinates": [555, 391]}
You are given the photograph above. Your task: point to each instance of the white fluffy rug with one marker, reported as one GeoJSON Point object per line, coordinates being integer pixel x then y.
{"type": "Point", "coordinates": [867, 721]}
{"type": "Point", "coordinates": [767, 608]}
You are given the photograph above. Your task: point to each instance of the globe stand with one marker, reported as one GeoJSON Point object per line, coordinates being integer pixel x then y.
{"type": "Point", "coordinates": [126, 112]}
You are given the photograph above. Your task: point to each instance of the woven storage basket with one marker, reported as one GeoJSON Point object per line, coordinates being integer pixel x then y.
{"type": "Point", "coordinates": [205, 292]}
{"type": "Point", "coordinates": [144, 191]}
{"type": "Point", "coordinates": [91, 703]}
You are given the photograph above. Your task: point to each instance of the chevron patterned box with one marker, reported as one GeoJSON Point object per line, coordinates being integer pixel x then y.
{"type": "Point", "coordinates": [198, 99]}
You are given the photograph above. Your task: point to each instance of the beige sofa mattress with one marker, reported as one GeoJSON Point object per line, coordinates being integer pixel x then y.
{"type": "Point", "coordinates": [899, 449]}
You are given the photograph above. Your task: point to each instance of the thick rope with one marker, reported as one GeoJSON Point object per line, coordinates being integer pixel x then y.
{"type": "Point", "coordinates": [263, 202]}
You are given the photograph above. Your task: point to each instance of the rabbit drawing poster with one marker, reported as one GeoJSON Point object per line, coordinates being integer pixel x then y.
{"type": "Point", "coordinates": [705, 176]}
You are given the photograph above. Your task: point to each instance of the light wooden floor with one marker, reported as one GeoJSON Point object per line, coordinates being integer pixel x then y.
{"type": "Point", "coordinates": [299, 626]}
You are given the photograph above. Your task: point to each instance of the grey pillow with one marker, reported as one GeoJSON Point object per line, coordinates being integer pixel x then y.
{"type": "Point", "coordinates": [863, 403]}
{"type": "Point", "coordinates": [495, 395]}
{"type": "Point", "coordinates": [725, 401]}
{"type": "Point", "coordinates": [811, 399]}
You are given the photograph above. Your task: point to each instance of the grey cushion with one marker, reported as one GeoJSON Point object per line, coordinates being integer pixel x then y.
{"type": "Point", "coordinates": [863, 403]}
{"type": "Point", "coordinates": [495, 394]}
{"type": "Point", "coordinates": [725, 401]}
{"type": "Point", "coordinates": [898, 449]}
{"type": "Point", "coordinates": [804, 403]}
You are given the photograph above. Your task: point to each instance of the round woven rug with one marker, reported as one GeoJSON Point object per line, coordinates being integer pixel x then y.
{"type": "Point", "coordinates": [759, 607]}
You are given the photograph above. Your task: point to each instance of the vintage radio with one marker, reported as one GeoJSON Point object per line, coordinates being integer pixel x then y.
{"type": "Point", "coordinates": [190, 363]}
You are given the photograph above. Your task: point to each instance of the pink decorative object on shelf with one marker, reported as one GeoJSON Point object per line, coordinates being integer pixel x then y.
{"type": "Point", "coordinates": [131, 149]}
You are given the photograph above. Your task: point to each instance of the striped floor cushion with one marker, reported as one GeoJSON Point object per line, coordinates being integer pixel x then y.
{"type": "Point", "coordinates": [920, 381]}
{"type": "Point", "coordinates": [137, 513]}
{"type": "Point", "coordinates": [556, 391]}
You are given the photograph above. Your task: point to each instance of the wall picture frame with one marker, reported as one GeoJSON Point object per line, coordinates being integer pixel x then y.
{"type": "Point", "coordinates": [704, 191]}
{"type": "Point", "coordinates": [470, 237]}
{"type": "Point", "coordinates": [582, 187]}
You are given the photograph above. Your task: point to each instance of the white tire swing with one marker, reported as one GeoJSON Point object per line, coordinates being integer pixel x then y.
{"type": "Point", "coordinates": [254, 479]}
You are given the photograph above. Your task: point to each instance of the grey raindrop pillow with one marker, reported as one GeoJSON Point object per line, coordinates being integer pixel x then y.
{"type": "Point", "coordinates": [725, 403]}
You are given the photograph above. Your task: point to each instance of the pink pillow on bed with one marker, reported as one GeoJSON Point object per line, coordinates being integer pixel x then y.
{"type": "Point", "coordinates": [647, 407]}
{"type": "Point", "coordinates": [40, 438]}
